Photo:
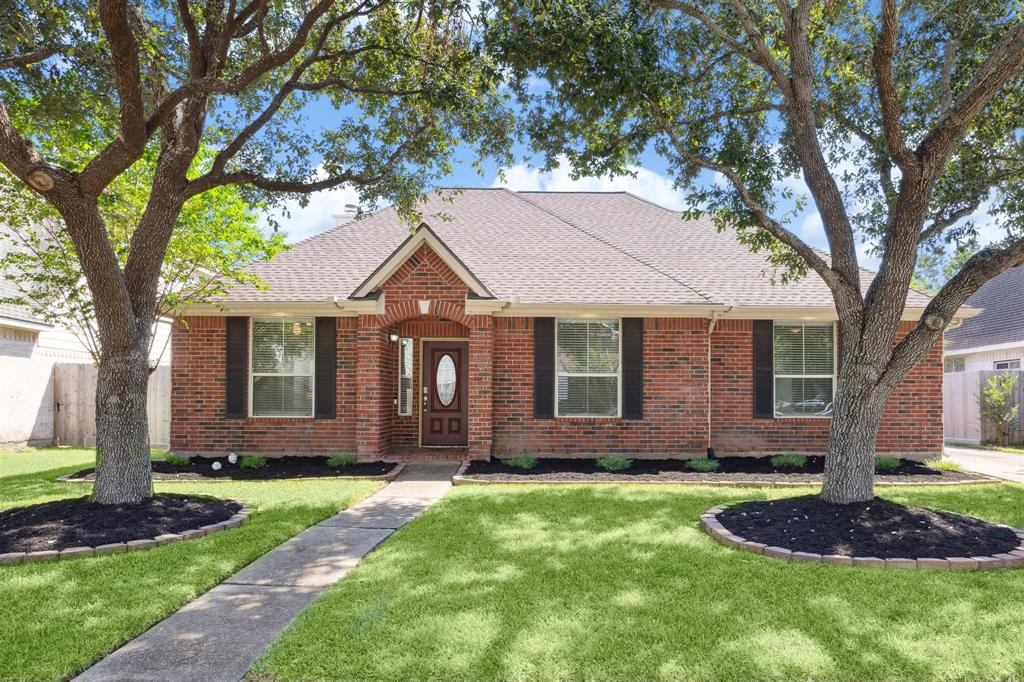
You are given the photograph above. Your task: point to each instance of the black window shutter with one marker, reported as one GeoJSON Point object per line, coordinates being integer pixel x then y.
{"type": "Point", "coordinates": [764, 373]}
{"type": "Point", "coordinates": [236, 368]}
{"type": "Point", "coordinates": [544, 368]}
{"type": "Point", "coordinates": [633, 368]}
{"type": "Point", "coordinates": [326, 367]}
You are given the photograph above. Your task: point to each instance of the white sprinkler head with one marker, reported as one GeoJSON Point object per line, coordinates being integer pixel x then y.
{"type": "Point", "coordinates": [233, 458]}
{"type": "Point", "coordinates": [216, 466]}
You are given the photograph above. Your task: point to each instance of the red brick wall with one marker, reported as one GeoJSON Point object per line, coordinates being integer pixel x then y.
{"type": "Point", "coordinates": [675, 397]}
{"type": "Point", "coordinates": [912, 423]}
{"type": "Point", "coordinates": [198, 424]}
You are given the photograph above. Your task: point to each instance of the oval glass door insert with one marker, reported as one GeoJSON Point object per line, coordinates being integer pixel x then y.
{"type": "Point", "coordinates": [445, 379]}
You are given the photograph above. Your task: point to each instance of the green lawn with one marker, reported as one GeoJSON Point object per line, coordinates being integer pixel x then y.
{"type": "Point", "coordinates": [1017, 450]}
{"type": "Point", "coordinates": [57, 618]}
{"type": "Point", "coordinates": [616, 582]}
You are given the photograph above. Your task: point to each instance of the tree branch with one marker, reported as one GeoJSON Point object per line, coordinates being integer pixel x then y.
{"type": "Point", "coordinates": [34, 57]}
{"type": "Point", "coordinates": [939, 224]}
{"type": "Point", "coordinates": [888, 96]}
{"type": "Point", "coordinates": [980, 268]}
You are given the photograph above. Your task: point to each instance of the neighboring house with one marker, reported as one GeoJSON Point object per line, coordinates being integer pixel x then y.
{"type": "Point", "coordinates": [993, 340]}
{"type": "Point", "coordinates": [29, 349]}
{"type": "Point", "coordinates": [562, 324]}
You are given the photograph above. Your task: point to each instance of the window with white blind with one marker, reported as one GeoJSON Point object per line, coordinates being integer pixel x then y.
{"type": "Point", "coordinates": [282, 364]}
{"type": "Point", "coordinates": [805, 365]}
{"type": "Point", "coordinates": [405, 392]}
{"type": "Point", "coordinates": [587, 368]}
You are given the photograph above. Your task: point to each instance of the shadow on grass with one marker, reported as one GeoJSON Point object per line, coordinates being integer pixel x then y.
{"type": "Point", "coordinates": [57, 618]}
{"type": "Point", "coordinates": [620, 582]}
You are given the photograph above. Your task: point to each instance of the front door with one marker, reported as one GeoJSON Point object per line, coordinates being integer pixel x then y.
{"type": "Point", "coordinates": [445, 394]}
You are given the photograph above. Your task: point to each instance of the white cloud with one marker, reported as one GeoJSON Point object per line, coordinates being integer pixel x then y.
{"type": "Point", "coordinates": [646, 183]}
{"type": "Point", "coordinates": [315, 217]}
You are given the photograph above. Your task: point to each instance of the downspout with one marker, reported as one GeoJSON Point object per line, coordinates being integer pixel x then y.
{"type": "Point", "coordinates": [712, 322]}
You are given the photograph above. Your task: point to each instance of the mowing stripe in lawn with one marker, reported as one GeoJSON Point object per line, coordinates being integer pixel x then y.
{"type": "Point", "coordinates": [221, 634]}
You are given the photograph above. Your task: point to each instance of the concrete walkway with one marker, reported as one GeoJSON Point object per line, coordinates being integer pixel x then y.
{"type": "Point", "coordinates": [218, 637]}
{"type": "Point", "coordinates": [1007, 465]}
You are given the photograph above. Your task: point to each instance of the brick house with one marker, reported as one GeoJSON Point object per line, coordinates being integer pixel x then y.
{"type": "Point", "coordinates": [561, 324]}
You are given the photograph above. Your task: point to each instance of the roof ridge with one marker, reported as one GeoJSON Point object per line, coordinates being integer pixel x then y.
{"type": "Point", "coordinates": [616, 248]}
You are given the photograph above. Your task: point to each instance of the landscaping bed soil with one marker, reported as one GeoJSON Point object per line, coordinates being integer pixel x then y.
{"type": "Point", "coordinates": [276, 468]}
{"type": "Point", "coordinates": [734, 469]}
{"type": "Point", "coordinates": [80, 523]}
{"type": "Point", "coordinates": [878, 528]}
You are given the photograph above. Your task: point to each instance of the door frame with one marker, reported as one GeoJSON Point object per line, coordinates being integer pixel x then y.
{"type": "Point", "coordinates": [419, 390]}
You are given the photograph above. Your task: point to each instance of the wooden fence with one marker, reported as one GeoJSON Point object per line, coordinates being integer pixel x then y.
{"type": "Point", "coordinates": [961, 392]}
{"type": "Point", "coordinates": [74, 414]}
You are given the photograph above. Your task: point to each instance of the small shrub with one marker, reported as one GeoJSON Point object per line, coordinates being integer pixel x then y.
{"type": "Point", "coordinates": [703, 464]}
{"type": "Point", "coordinates": [339, 461]}
{"type": "Point", "coordinates": [789, 461]}
{"type": "Point", "coordinates": [253, 462]}
{"type": "Point", "coordinates": [939, 464]}
{"type": "Point", "coordinates": [614, 463]}
{"type": "Point", "coordinates": [887, 463]}
{"type": "Point", "coordinates": [523, 461]}
{"type": "Point", "coordinates": [176, 460]}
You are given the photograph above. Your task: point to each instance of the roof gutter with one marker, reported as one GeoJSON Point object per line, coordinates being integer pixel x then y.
{"type": "Point", "coordinates": [712, 322]}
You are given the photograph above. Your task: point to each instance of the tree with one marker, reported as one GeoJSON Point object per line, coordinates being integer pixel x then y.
{"type": "Point", "coordinates": [292, 97]}
{"type": "Point", "coordinates": [902, 119]}
{"type": "Point", "coordinates": [999, 402]}
{"type": "Point", "coordinates": [217, 235]}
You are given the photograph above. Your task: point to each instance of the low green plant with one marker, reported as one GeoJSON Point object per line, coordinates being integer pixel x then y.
{"type": "Point", "coordinates": [703, 464]}
{"type": "Point", "coordinates": [887, 463]}
{"type": "Point", "coordinates": [345, 460]}
{"type": "Point", "coordinates": [176, 460]}
{"type": "Point", "coordinates": [523, 461]}
{"type": "Point", "coordinates": [253, 462]}
{"type": "Point", "coordinates": [939, 464]}
{"type": "Point", "coordinates": [789, 461]}
{"type": "Point", "coordinates": [614, 463]}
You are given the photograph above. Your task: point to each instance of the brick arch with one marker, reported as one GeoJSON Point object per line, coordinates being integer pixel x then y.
{"type": "Point", "coordinates": [409, 309]}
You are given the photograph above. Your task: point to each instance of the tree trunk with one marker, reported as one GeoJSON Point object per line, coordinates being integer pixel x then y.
{"type": "Point", "coordinates": [123, 468]}
{"type": "Point", "coordinates": [850, 458]}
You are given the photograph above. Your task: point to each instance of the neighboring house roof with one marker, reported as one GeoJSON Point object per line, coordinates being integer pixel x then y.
{"type": "Point", "coordinates": [8, 289]}
{"type": "Point", "coordinates": [1001, 321]}
{"type": "Point", "coordinates": [549, 248]}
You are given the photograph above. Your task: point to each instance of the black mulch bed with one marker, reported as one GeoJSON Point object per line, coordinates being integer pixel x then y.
{"type": "Point", "coordinates": [866, 529]}
{"type": "Point", "coordinates": [276, 468]}
{"type": "Point", "coordinates": [740, 469]}
{"type": "Point", "coordinates": [80, 523]}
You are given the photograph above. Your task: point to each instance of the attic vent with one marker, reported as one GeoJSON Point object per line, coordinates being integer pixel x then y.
{"type": "Point", "coordinates": [414, 260]}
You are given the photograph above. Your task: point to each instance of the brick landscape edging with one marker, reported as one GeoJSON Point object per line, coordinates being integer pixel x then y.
{"type": "Point", "coordinates": [1013, 559]}
{"type": "Point", "coordinates": [390, 476]}
{"type": "Point", "coordinates": [236, 520]}
{"type": "Point", "coordinates": [461, 479]}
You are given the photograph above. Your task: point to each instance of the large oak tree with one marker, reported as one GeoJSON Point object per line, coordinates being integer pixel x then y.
{"type": "Point", "coordinates": [904, 119]}
{"type": "Point", "coordinates": [292, 96]}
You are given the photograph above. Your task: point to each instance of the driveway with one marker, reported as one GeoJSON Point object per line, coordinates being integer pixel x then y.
{"type": "Point", "coordinates": [1006, 465]}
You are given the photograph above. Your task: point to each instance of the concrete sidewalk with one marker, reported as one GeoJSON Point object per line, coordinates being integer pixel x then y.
{"type": "Point", "coordinates": [218, 637]}
{"type": "Point", "coordinates": [1005, 465]}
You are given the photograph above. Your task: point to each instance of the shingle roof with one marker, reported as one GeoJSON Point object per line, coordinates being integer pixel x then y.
{"type": "Point", "coordinates": [1002, 321]}
{"type": "Point", "coordinates": [550, 247]}
{"type": "Point", "coordinates": [8, 289]}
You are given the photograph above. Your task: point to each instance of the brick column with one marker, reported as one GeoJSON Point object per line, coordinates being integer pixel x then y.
{"type": "Point", "coordinates": [373, 402]}
{"type": "Point", "coordinates": [481, 399]}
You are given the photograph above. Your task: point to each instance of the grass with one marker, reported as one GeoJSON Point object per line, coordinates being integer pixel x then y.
{"type": "Point", "coordinates": [58, 618]}
{"type": "Point", "coordinates": [618, 582]}
{"type": "Point", "coordinates": [1017, 450]}
{"type": "Point", "coordinates": [939, 464]}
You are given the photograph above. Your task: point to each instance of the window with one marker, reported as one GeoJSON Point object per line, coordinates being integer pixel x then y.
{"type": "Point", "coordinates": [1006, 364]}
{"type": "Point", "coordinates": [282, 368]}
{"type": "Point", "coordinates": [405, 377]}
{"type": "Point", "coordinates": [587, 358]}
{"type": "Point", "coordinates": [954, 364]}
{"type": "Point", "coordinates": [804, 358]}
